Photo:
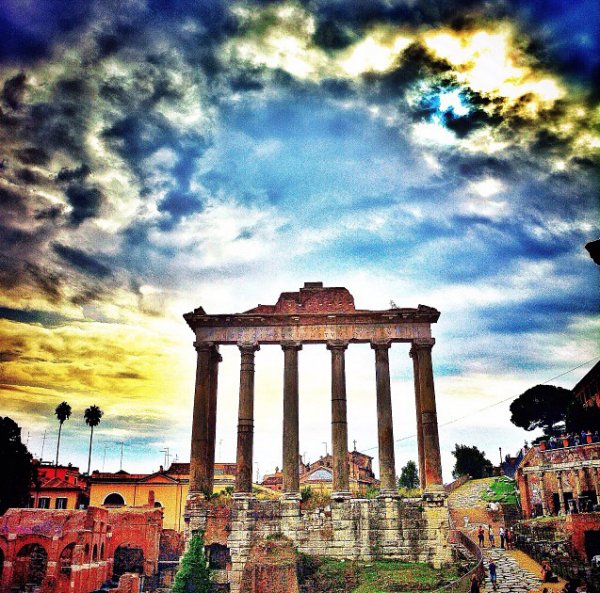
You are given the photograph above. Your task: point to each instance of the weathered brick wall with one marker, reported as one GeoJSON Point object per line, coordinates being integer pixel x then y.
{"type": "Point", "coordinates": [576, 526]}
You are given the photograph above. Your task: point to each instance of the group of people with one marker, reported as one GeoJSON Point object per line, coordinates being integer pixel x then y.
{"type": "Point", "coordinates": [572, 439]}
{"type": "Point", "coordinates": [505, 535]}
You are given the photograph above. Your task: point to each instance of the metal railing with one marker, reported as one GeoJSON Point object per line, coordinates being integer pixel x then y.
{"type": "Point", "coordinates": [463, 584]}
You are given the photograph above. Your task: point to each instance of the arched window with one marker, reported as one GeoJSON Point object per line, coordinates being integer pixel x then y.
{"type": "Point", "coordinates": [66, 559]}
{"type": "Point", "coordinates": [158, 505]}
{"type": "Point", "coordinates": [114, 500]}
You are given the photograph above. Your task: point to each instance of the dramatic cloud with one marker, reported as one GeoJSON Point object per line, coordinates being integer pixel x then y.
{"type": "Point", "coordinates": [153, 160]}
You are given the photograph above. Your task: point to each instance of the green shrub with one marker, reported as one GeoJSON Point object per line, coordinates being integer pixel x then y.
{"type": "Point", "coordinates": [193, 575]}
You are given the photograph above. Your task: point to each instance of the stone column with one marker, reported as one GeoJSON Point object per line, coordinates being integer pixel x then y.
{"type": "Point", "coordinates": [211, 419]}
{"type": "Point", "coordinates": [243, 480]}
{"type": "Point", "coordinates": [421, 453]}
{"type": "Point", "coordinates": [199, 472]}
{"type": "Point", "coordinates": [561, 494]}
{"type": "Point", "coordinates": [385, 424]}
{"type": "Point", "coordinates": [291, 446]}
{"type": "Point", "coordinates": [431, 446]}
{"type": "Point", "coordinates": [339, 423]}
{"type": "Point", "coordinates": [595, 482]}
{"type": "Point", "coordinates": [578, 487]}
{"type": "Point", "coordinates": [526, 497]}
{"type": "Point", "coordinates": [543, 494]}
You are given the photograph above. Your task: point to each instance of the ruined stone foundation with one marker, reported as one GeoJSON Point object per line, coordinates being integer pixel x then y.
{"type": "Point", "coordinates": [412, 530]}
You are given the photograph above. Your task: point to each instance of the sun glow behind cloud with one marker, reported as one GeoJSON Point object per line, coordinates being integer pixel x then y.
{"type": "Point", "coordinates": [219, 158]}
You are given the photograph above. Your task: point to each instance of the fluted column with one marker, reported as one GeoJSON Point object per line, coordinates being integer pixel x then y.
{"type": "Point", "coordinates": [339, 423]}
{"type": "Point", "coordinates": [561, 494]}
{"type": "Point", "coordinates": [420, 450]}
{"type": "Point", "coordinates": [432, 463]}
{"type": "Point", "coordinates": [385, 423]}
{"type": "Point", "coordinates": [200, 480]}
{"type": "Point", "coordinates": [243, 480]}
{"type": "Point", "coordinates": [291, 446]}
{"type": "Point", "coordinates": [211, 419]}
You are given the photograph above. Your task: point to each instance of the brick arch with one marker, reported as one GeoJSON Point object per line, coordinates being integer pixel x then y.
{"type": "Point", "coordinates": [30, 565]}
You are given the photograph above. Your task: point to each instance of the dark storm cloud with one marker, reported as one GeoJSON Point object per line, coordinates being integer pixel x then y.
{"type": "Point", "coordinates": [13, 90]}
{"type": "Point", "coordinates": [85, 200]}
{"type": "Point", "coordinates": [416, 63]}
{"type": "Point", "coordinates": [78, 173]}
{"type": "Point", "coordinates": [44, 318]}
{"type": "Point", "coordinates": [82, 261]}
{"type": "Point", "coordinates": [32, 155]}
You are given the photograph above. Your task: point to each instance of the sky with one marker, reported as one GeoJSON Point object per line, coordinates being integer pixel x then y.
{"type": "Point", "coordinates": [156, 157]}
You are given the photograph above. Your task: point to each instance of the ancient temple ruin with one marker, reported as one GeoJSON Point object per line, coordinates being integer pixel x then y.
{"type": "Point", "coordinates": [409, 529]}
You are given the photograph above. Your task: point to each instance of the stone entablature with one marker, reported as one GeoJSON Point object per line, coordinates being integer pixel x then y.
{"type": "Point", "coordinates": [314, 314]}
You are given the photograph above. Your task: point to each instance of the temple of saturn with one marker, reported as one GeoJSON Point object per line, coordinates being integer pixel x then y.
{"type": "Point", "coordinates": [386, 527]}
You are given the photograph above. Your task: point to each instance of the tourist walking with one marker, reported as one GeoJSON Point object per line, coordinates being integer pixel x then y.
{"type": "Point", "coordinates": [474, 588]}
{"type": "Point", "coordinates": [508, 536]}
{"type": "Point", "coordinates": [492, 569]}
{"type": "Point", "coordinates": [491, 536]}
{"type": "Point", "coordinates": [502, 534]}
{"type": "Point", "coordinates": [480, 536]}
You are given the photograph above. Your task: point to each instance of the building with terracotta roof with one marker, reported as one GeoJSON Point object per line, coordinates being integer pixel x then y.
{"type": "Point", "coordinates": [319, 475]}
{"type": "Point", "coordinates": [58, 487]}
{"type": "Point", "coordinates": [169, 489]}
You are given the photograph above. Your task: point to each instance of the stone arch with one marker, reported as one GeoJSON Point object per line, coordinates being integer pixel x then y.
{"type": "Point", "coordinates": [30, 566]}
{"type": "Point", "coordinates": [114, 499]}
{"type": "Point", "coordinates": [128, 558]}
{"type": "Point", "coordinates": [65, 560]}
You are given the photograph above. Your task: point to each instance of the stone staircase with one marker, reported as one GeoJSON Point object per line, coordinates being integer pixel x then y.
{"type": "Point", "coordinates": [516, 572]}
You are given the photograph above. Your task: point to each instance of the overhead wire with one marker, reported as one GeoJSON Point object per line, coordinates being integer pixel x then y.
{"type": "Point", "coordinates": [454, 420]}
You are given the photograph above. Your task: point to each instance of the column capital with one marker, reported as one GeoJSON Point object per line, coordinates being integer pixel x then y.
{"type": "Point", "coordinates": [204, 346]}
{"type": "Point", "coordinates": [291, 345]}
{"type": "Point", "coordinates": [421, 344]}
{"type": "Point", "coordinates": [216, 356]}
{"type": "Point", "coordinates": [337, 345]}
{"type": "Point", "coordinates": [381, 344]}
{"type": "Point", "coordinates": [248, 347]}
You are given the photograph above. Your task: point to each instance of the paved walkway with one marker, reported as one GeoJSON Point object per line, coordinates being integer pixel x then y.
{"type": "Point", "coordinates": [516, 572]}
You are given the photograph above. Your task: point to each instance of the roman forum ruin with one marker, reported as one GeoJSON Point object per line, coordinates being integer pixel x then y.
{"type": "Point", "coordinates": [409, 529]}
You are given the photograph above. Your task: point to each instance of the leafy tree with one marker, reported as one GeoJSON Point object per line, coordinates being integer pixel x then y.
{"type": "Point", "coordinates": [63, 412]}
{"type": "Point", "coordinates": [409, 476]}
{"type": "Point", "coordinates": [17, 466]}
{"type": "Point", "coordinates": [542, 406]}
{"type": "Point", "coordinates": [92, 417]}
{"type": "Point", "coordinates": [194, 575]}
{"type": "Point", "coordinates": [471, 461]}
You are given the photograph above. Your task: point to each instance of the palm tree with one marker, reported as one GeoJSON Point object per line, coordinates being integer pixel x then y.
{"type": "Point", "coordinates": [63, 412]}
{"type": "Point", "coordinates": [92, 417]}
